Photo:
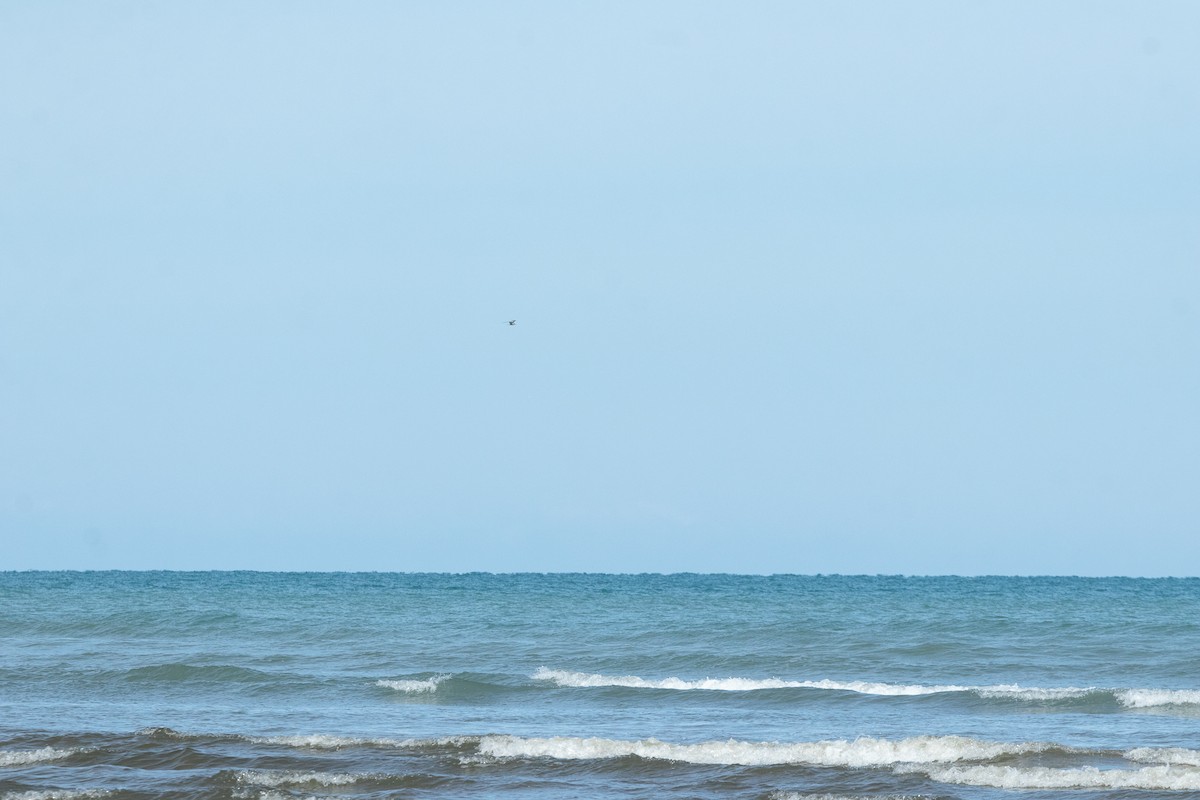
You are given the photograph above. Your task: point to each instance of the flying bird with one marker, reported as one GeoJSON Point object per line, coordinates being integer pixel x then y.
{"type": "Point", "coordinates": [512, 322]}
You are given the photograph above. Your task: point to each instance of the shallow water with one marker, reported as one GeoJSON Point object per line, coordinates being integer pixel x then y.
{"type": "Point", "coordinates": [271, 685]}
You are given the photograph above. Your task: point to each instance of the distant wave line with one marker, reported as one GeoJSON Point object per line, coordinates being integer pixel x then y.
{"type": "Point", "coordinates": [1130, 698]}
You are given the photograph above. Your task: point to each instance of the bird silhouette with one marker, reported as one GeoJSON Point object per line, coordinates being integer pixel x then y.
{"type": "Point", "coordinates": [512, 322]}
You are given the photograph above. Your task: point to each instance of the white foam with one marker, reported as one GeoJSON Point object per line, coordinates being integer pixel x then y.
{"type": "Point", "coordinates": [271, 794]}
{"type": "Point", "coordinates": [57, 794]}
{"type": "Point", "coordinates": [414, 686]}
{"type": "Point", "coordinates": [1016, 692]}
{"type": "Point", "coordinates": [884, 689]}
{"type": "Point", "coordinates": [16, 758]}
{"type": "Point", "coordinates": [1160, 778]}
{"type": "Point", "coordinates": [566, 678]}
{"type": "Point", "coordinates": [324, 742]}
{"type": "Point", "coordinates": [826, 796]}
{"type": "Point", "coordinates": [296, 778]}
{"type": "Point", "coordinates": [1151, 698]}
{"type": "Point", "coordinates": [1165, 755]}
{"type": "Point", "coordinates": [863, 752]}
{"type": "Point", "coordinates": [316, 741]}
{"type": "Point", "coordinates": [321, 742]}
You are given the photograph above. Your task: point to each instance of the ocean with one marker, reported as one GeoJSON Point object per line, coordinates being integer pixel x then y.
{"type": "Point", "coordinates": [130, 685]}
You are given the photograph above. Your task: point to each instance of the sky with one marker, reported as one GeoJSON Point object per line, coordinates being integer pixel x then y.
{"type": "Point", "coordinates": [800, 287]}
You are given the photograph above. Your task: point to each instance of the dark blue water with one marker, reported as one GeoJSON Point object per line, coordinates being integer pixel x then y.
{"type": "Point", "coordinates": [263, 685]}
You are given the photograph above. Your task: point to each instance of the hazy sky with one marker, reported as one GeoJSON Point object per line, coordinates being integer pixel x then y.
{"type": "Point", "coordinates": [901, 287]}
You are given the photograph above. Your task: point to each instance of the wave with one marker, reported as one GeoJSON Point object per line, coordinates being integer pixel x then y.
{"type": "Point", "coordinates": [864, 752]}
{"type": "Point", "coordinates": [1129, 698]}
{"type": "Point", "coordinates": [945, 759]}
{"type": "Point", "coordinates": [19, 758]}
{"type": "Point", "coordinates": [827, 796]}
{"type": "Point", "coordinates": [57, 794]}
{"type": "Point", "coordinates": [326, 742]}
{"type": "Point", "coordinates": [953, 760]}
{"type": "Point", "coordinates": [275, 778]}
{"type": "Point", "coordinates": [206, 673]}
{"type": "Point", "coordinates": [1165, 755]}
{"type": "Point", "coordinates": [1159, 778]}
{"type": "Point", "coordinates": [292, 780]}
{"type": "Point", "coordinates": [323, 742]}
{"type": "Point", "coordinates": [1152, 698]}
{"type": "Point", "coordinates": [414, 686]}
{"type": "Point", "coordinates": [1034, 693]}
{"type": "Point", "coordinates": [583, 679]}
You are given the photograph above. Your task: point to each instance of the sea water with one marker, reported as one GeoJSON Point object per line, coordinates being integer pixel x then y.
{"type": "Point", "coordinates": [273, 685]}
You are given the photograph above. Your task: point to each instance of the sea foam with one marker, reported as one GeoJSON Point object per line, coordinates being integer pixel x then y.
{"type": "Point", "coordinates": [296, 778]}
{"type": "Point", "coordinates": [1151, 698]}
{"type": "Point", "coordinates": [1165, 755]}
{"type": "Point", "coordinates": [1159, 778]}
{"type": "Point", "coordinates": [325, 742]}
{"type": "Point", "coordinates": [16, 758]}
{"type": "Point", "coordinates": [864, 752]}
{"type": "Point", "coordinates": [318, 741]}
{"type": "Point", "coordinates": [946, 759]}
{"type": "Point", "coordinates": [414, 686]}
{"type": "Point", "coordinates": [827, 796]}
{"type": "Point", "coordinates": [566, 678]}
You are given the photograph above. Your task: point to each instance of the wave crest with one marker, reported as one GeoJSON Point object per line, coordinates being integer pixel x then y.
{"type": "Point", "coordinates": [274, 778]}
{"type": "Point", "coordinates": [1159, 778]}
{"type": "Point", "coordinates": [1152, 698]}
{"type": "Point", "coordinates": [1165, 755]}
{"type": "Point", "coordinates": [827, 796]}
{"type": "Point", "coordinates": [945, 759]}
{"type": "Point", "coordinates": [325, 742]}
{"type": "Point", "coordinates": [1129, 698]}
{"type": "Point", "coordinates": [566, 678]}
{"type": "Point", "coordinates": [58, 794]}
{"type": "Point", "coordinates": [865, 752]}
{"type": "Point", "coordinates": [414, 686]}
{"type": "Point", "coordinates": [18, 758]}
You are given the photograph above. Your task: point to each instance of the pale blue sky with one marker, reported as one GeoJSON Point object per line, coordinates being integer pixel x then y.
{"type": "Point", "coordinates": [904, 287]}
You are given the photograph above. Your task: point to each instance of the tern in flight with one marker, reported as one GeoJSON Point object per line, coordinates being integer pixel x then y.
{"type": "Point", "coordinates": [512, 322]}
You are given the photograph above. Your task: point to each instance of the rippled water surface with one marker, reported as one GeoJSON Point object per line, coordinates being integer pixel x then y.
{"type": "Point", "coordinates": [262, 685]}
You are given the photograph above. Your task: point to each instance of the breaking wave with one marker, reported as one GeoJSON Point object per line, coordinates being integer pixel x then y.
{"type": "Point", "coordinates": [1129, 698]}
{"type": "Point", "coordinates": [323, 742]}
{"type": "Point", "coordinates": [414, 686]}
{"type": "Point", "coordinates": [945, 759]}
{"type": "Point", "coordinates": [952, 760]}
{"type": "Point", "coordinates": [57, 794]}
{"type": "Point", "coordinates": [583, 679]}
{"type": "Point", "coordinates": [275, 778]}
{"type": "Point", "coordinates": [18, 758]}
{"type": "Point", "coordinates": [1165, 755]}
{"type": "Point", "coordinates": [1160, 778]}
{"type": "Point", "coordinates": [865, 752]}
{"type": "Point", "coordinates": [1152, 698]}
{"type": "Point", "coordinates": [827, 796]}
